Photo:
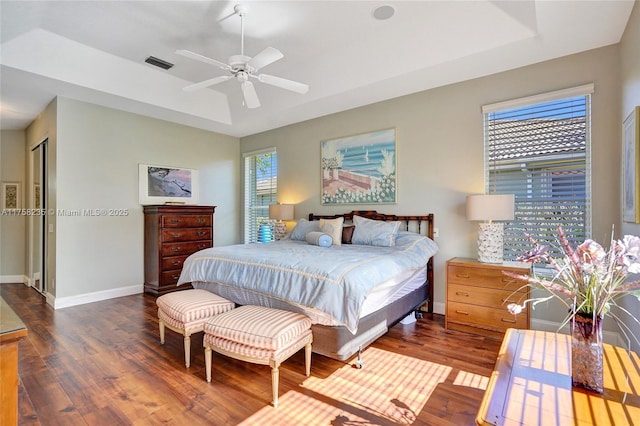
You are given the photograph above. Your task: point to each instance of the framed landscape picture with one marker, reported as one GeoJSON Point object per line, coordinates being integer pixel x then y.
{"type": "Point", "coordinates": [359, 169]}
{"type": "Point", "coordinates": [166, 185]}
{"type": "Point", "coordinates": [630, 167]}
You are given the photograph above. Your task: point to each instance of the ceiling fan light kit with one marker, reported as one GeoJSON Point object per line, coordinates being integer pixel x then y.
{"type": "Point", "coordinates": [244, 68]}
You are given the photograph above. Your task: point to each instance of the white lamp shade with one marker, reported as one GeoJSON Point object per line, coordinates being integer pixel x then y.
{"type": "Point", "coordinates": [490, 207]}
{"type": "Point", "coordinates": [281, 211]}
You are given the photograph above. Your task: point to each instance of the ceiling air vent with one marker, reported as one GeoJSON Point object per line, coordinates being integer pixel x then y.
{"type": "Point", "coordinates": [158, 62]}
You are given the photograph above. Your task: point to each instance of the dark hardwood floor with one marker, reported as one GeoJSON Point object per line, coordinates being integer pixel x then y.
{"type": "Point", "coordinates": [102, 364]}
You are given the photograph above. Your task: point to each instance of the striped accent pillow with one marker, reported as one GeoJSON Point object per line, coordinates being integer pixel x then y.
{"type": "Point", "coordinates": [258, 327]}
{"type": "Point", "coordinates": [187, 306]}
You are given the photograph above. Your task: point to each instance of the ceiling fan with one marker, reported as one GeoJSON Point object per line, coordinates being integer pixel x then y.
{"type": "Point", "coordinates": [242, 68]}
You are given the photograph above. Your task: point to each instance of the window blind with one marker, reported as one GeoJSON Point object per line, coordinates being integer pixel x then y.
{"type": "Point", "coordinates": [540, 153]}
{"type": "Point", "coordinates": [260, 190]}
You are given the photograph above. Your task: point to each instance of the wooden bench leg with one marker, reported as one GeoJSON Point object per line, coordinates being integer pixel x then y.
{"type": "Point", "coordinates": [307, 359]}
{"type": "Point", "coordinates": [275, 379]}
{"type": "Point", "coordinates": [187, 350]}
{"type": "Point", "coordinates": [161, 323]}
{"type": "Point", "coordinates": [207, 362]}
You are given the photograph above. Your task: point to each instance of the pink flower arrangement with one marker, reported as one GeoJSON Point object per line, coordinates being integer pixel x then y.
{"type": "Point", "coordinates": [588, 280]}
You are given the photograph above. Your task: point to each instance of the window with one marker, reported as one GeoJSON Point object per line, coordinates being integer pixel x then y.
{"type": "Point", "coordinates": [260, 190]}
{"type": "Point", "coordinates": [538, 148]}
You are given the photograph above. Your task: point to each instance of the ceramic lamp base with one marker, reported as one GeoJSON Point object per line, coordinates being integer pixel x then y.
{"type": "Point", "coordinates": [279, 230]}
{"type": "Point", "coordinates": [490, 243]}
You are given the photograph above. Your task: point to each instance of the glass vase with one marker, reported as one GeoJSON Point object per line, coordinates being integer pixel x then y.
{"type": "Point", "coordinates": [587, 352]}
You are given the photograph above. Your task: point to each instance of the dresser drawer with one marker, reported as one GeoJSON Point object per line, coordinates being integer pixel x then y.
{"type": "Point", "coordinates": [177, 249]}
{"type": "Point", "coordinates": [173, 262]}
{"type": "Point", "coordinates": [186, 234]}
{"type": "Point", "coordinates": [483, 296]}
{"type": "Point", "coordinates": [483, 277]}
{"type": "Point", "coordinates": [483, 317]}
{"type": "Point", "coordinates": [170, 277]}
{"type": "Point", "coordinates": [186, 221]}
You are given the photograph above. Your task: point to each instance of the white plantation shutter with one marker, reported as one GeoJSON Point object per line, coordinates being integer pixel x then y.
{"type": "Point", "coordinates": [541, 153]}
{"type": "Point", "coordinates": [260, 190]}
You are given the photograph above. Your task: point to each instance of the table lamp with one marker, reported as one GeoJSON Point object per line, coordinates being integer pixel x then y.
{"type": "Point", "coordinates": [490, 208]}
{"type": "Point", "coordinates": [280, 212]}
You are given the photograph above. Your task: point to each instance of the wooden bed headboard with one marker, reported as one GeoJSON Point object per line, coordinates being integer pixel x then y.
{"type": "Point", "coordinates": [421, 224]}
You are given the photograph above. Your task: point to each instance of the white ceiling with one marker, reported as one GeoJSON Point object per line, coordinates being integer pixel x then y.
{"type": "Point", "coordinates": [94, 51]}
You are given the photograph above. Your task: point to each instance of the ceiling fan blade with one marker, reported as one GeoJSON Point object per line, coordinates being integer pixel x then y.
{"type": "Point", "coordinates": [264, 58]}
{"type": "Point", "coordinates": [250, 96]}
{"type": "Point", "coordinates": [283, 83]}
{"type": "Point", "coordinates": [198, 57]}
{"type": "Point", "coordinates": [207, 83]}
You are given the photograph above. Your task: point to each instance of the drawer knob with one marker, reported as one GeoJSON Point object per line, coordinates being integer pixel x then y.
{"type": "Point", "coordinates": [202, 246]}
{"type": "Point", "coordinates": [175, 262]}
{"type": "Point", "coordinates": [174, 220]}
{"type": "Point", "coordinates": [201, 233]}
{"type": "Point", "coordinates": [176, 248]}
{"type": "Point", "coordinates": [201, 220]}
{"type": "Point", "coordinates": [509, 320]}
{"type": "Point", "coordinates": [462, 275]}
{"type": "Point", "coordinates": [462, 293]}
{"type": "Point", "coordinates": [175, 277]}
{"type": "Point", "coordinates": [462, 312]}
{"type": "Point", "coordinates": [176, 234]}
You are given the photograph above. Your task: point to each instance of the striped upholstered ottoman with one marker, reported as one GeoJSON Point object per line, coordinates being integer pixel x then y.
{"type": "Point", "coordinates": [187, 311]}
{"type": "Point", "coordinates": [259, 335]}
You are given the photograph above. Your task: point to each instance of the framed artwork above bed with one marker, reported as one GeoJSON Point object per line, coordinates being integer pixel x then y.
{"type": "Point", "coordinates": [167, 185]}
{"type": "Point", "coordinates": [359, 169]}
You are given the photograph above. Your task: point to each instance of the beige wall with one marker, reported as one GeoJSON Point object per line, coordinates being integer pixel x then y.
{"type": "Point", "coordinates": [96, 152]}
{"type": "Point", "coordinates": [13, 229]}
{"type": "Point", "coordinates": [630, 83]}
{"type": "Point", "coordinates": [440, 149]}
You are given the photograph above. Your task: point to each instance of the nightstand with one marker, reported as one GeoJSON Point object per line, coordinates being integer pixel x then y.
{"type": "Point", "coordinates": [478, 295]}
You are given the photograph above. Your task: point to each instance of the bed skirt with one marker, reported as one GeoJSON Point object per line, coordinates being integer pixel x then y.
{"type": "Point", "coordinates": [339, 343]}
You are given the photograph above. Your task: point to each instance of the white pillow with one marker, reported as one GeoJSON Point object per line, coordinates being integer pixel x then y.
{"type": "Point", "coordinates": [333, 227]}
{"type": "Point", "coordinates": [374, 232]}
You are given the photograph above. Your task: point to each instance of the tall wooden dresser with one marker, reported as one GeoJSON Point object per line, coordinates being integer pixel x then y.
{"type": "Point", "coordinates": [171, 234]}
{"type": "Point", "coordinates": [478, 295]}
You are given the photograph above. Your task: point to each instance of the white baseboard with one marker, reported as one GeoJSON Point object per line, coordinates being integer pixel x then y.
{"type": "Point", "coordinates": [81, 299]}
{"type": "Point", "coordinates": [611, 337]}
{"type": "Point", "coordinates": [439, 308]}
{"type": "Point", "coordinates": [13, 279]}
{"type": "Point", "coordinates": [50, 298]}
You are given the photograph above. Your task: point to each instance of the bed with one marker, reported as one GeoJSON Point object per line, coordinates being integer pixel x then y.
{"type": "Point", "coordinates": [353, 293]}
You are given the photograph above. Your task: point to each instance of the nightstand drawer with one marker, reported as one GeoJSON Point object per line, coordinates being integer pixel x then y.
{"type": "Point", "coordinates": [483, 296]}
{"type": "Point", "coordinates": [478, 295]}
{"type": "Point", "coordinates": [483, 317]}
{"type": "Point", "coordinates": [482, 277]}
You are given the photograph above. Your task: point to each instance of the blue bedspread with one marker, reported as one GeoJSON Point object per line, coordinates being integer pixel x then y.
{"type": "Point", "coordinates": [334, 280]}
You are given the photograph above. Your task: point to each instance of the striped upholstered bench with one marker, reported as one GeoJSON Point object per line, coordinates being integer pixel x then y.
{"type": "Point", "coordinates": [258, 335]}
{"type": "Point", "coordinates": [187, 311]}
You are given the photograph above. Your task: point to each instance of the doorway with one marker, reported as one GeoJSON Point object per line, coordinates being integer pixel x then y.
{"type": "Point", "coordinates": [38, 220]}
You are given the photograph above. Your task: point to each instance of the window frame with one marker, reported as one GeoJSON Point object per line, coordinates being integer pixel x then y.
{"type": "Point", "coordinates": [250, 234]}
{"type": "Point", "coordinates": [543, 174]}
